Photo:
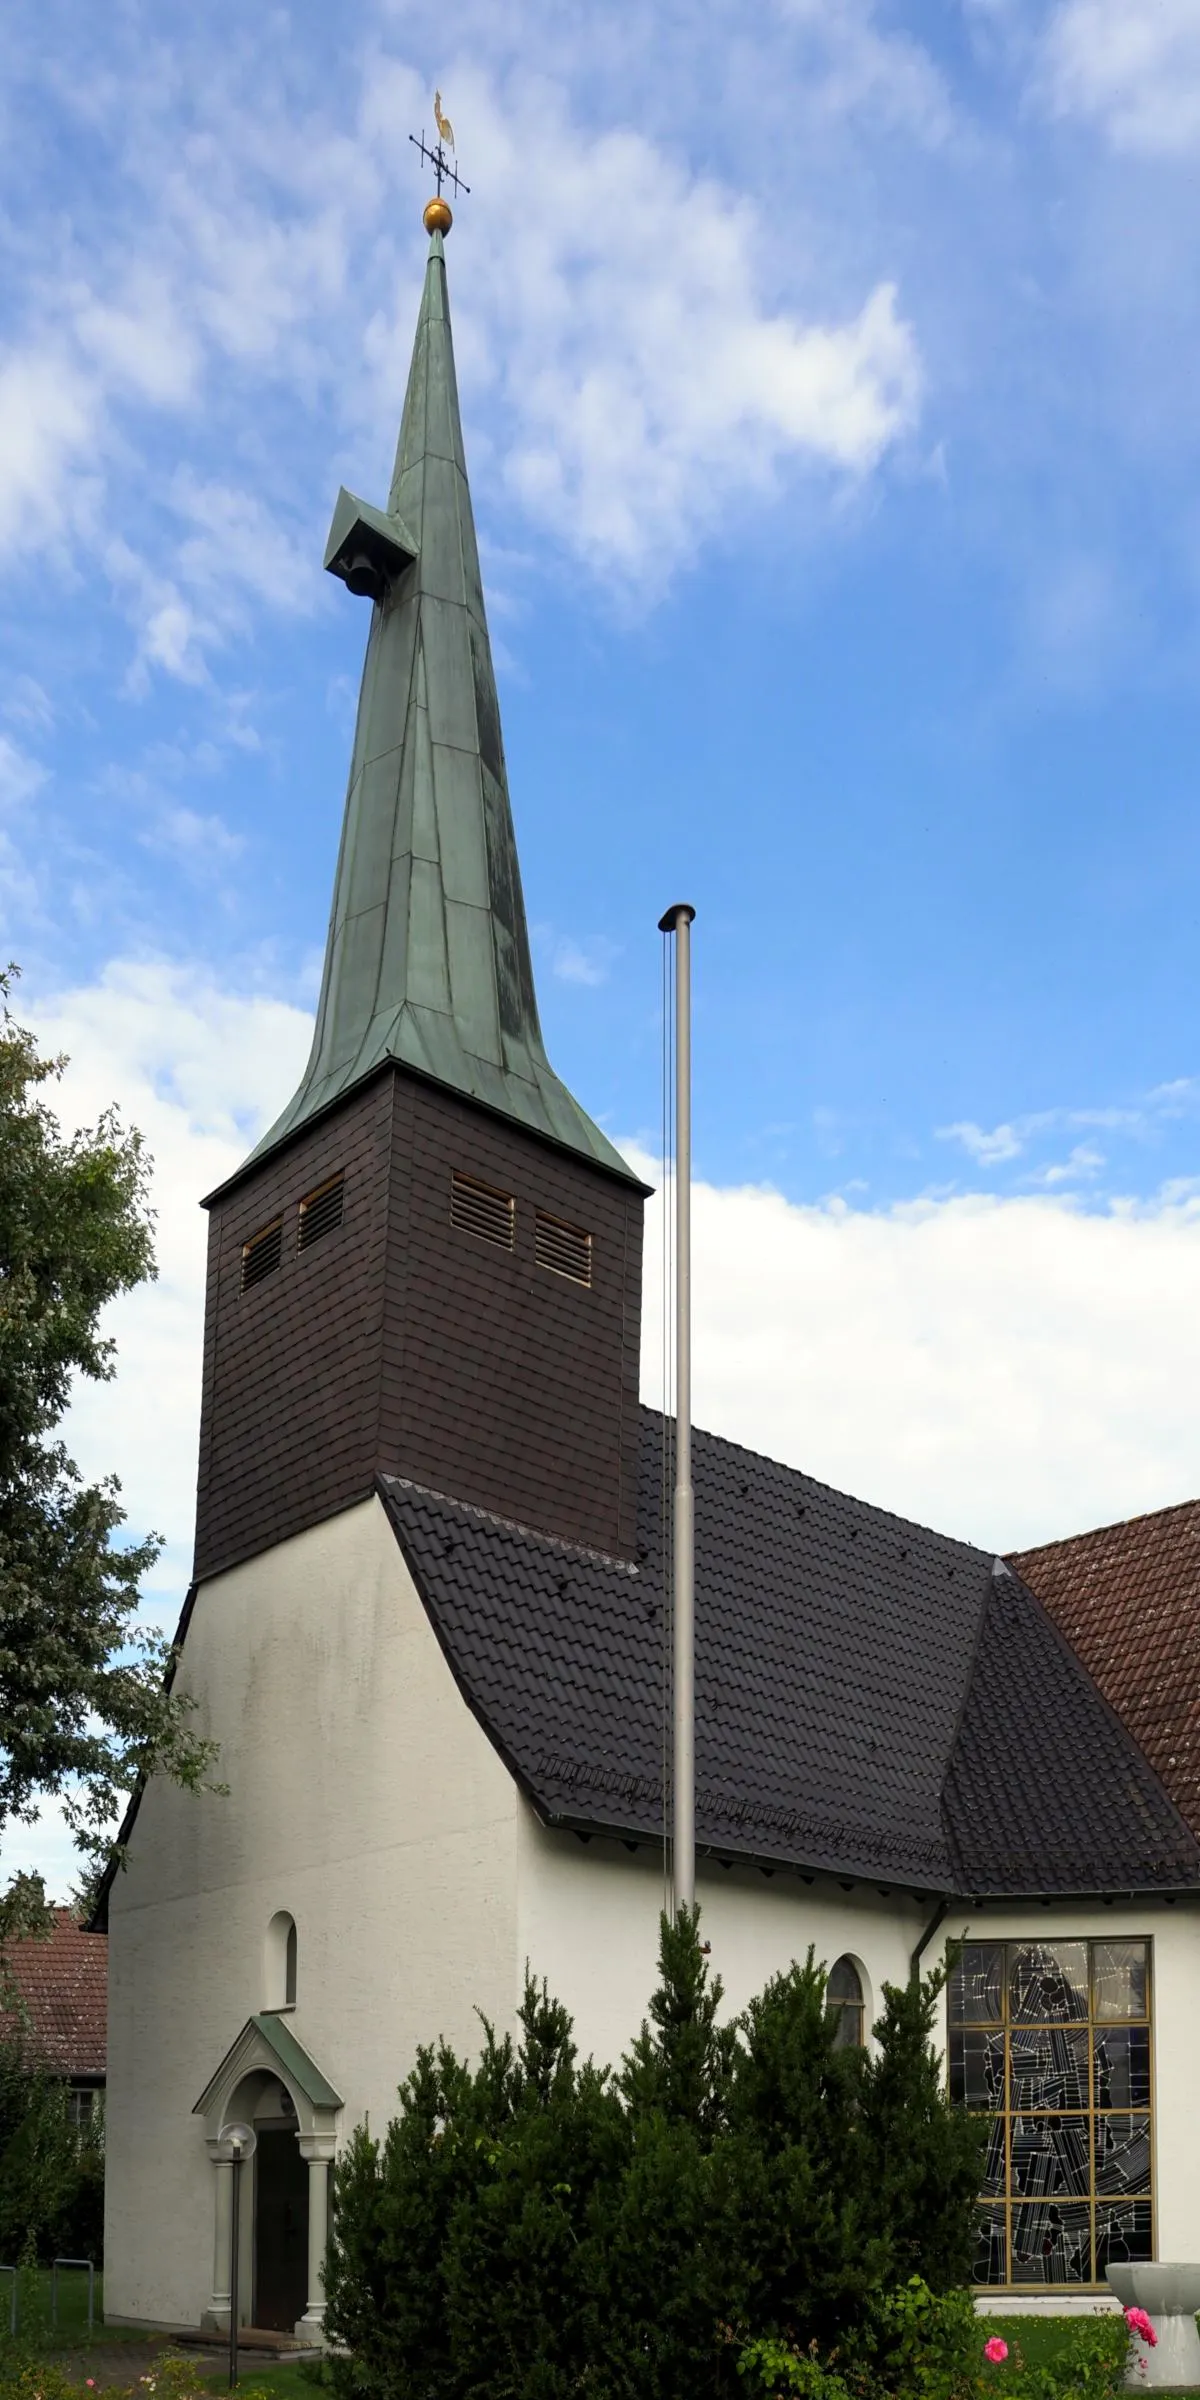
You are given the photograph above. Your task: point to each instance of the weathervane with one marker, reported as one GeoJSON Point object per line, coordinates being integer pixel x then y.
{"type": "Point", "coordinates": [438, 218]}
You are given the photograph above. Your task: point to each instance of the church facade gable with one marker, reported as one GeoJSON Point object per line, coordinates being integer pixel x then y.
{"type": "Point", "coordinates": [367, 1805]}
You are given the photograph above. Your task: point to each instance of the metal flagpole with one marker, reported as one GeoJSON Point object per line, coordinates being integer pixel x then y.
{"type": "Point", "coordinates": [678, 920]}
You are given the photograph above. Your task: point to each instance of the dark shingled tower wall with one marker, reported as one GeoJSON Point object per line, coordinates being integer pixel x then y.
{"type": "Point", "coordinates": [400, 1341]}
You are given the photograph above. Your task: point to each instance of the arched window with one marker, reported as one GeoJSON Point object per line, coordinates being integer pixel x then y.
{"type": "Point", "coordinates": [280, 1962]}
{"type": "Point", "coordinates": [844, 1999]}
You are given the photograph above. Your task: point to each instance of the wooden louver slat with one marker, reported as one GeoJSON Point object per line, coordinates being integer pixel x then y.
{"type": "Point", "coordinates": [261, 1254]}
{"type": "Point", "coordinates": [321, 1211]}
{"type": "Point", "coordinates": [477, 1208]}
{"type": "Point", "coordinates": [564, 1249]}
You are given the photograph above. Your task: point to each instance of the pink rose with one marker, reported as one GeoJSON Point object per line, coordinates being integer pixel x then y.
{"type": "Point", "coordinates": [996, 2350]}
{"type": "Point", "coordinates": [1139, 2323]}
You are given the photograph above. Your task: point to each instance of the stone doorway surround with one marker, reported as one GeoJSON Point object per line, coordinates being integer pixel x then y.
{"type": "Point", "coordinates": [266, 2049]}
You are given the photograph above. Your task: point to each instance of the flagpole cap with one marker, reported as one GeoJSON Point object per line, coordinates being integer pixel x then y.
{"type": "Point", "coordinates": [670, 922]}
{"type": "Point", "coordinates": [437, 217]}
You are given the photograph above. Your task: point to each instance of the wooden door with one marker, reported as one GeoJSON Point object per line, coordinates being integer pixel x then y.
{"type": "Point", "coordinates": [280, 2231]}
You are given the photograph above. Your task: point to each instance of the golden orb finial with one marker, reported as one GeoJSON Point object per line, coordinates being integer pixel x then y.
{"type": "Point", "coordinates": [437, 217]}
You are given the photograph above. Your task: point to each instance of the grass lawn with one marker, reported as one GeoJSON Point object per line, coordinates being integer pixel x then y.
{"type": "Point", "coordinates": [1039, 2339]}
{"type": "Point", "coordinates": [34, 2306]}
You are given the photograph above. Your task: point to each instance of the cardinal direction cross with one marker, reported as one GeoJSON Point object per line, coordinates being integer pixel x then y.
{"type": "Point", "coordinates": [444, 170]}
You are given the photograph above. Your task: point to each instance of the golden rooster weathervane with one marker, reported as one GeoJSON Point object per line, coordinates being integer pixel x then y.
{"type": "Point", "coordinates": [438, 218]}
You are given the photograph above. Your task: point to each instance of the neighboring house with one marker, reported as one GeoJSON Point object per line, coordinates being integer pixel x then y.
{"type": "Point", "coordinates": [56, 1995]}
{"type": "Point", "coordinates": [1127, 1598]}
{"type": "Point", "coordinates": [427, 1625]}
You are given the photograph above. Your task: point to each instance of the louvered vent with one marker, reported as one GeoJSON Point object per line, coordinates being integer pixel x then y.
{"type": "Point", "coordinates": [322, 1210]}
{"type": "Point", "coordinates": [565, 1249]}
{"type": "Point", "coordinates": [476, 1208]}
{"type": "Point", "coordinates": [261, 1254]}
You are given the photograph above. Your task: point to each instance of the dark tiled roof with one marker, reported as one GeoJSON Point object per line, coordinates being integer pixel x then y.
{"type": "Point", "coordinates": [61, 1997]}
{"type": "Point", "coordinates": [1045, 1790]}
{"type": "Point", "coordinates": [871, 1699]}
{"type": "Point", "coordinates": [1128, 1600]}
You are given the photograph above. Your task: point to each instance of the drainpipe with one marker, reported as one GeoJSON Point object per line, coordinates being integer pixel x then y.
{"type": "Point", "coordinates": [927, 1937]}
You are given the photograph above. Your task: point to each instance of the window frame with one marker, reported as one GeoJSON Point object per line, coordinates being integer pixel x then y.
{"type": "Point", "coordinates": [996, 2209]}
{"type": "Point", "coordinates": [845, 2008]}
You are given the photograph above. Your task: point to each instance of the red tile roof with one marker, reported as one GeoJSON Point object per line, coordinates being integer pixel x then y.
{"type": "Point", "coordinates": [63, 1984]}
{"type": "Point", "coordinates": [1127, 1597]}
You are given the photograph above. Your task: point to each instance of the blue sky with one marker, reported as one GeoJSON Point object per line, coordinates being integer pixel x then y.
{"type": "Point", "coordinates": [899, 682]}
{"type": "Point", "coordinates": [828, 374]}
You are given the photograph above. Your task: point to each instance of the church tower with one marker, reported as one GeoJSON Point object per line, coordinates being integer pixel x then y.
{"type": "Point", "coordinates": [430, 1266]}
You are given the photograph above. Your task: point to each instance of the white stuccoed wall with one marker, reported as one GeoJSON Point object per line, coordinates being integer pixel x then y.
{"type": "Point", "coordinates": [588, 1921]}
{"type": "Point", "coordinates": [367, 1802]}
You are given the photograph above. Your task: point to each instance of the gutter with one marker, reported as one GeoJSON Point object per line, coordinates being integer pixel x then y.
{"type": "Point", "coordinates": [925, 1939]}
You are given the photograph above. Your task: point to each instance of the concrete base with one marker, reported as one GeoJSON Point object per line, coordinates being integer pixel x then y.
{"type": "Point", "coordinates": [1170, 2295]}
{"type": "Point", "coordinates": [1061, 2303]}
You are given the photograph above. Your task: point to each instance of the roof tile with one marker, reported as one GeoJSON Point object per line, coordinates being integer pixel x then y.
{"type": "Point", "coordinates": [872, 1698]}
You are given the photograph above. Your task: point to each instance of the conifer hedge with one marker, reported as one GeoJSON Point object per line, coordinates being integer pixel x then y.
{"type": "Point", "coordinates": [535, 2227]}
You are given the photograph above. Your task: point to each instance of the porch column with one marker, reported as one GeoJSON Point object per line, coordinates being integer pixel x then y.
{"type": "Point", "coordinates": [216, 2315]}
{"type": "Point", "coordinates": [317, 2148]}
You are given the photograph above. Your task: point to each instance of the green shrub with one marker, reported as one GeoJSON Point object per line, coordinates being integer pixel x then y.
{"type": "Point", "coordinates": [781, 2369]}
{"type": "Point", "coordinates": [51, 2171]}
{"type": "Point", "coordinates": [917, 2344]}
{"type": "Point", "coordinates": [534, 2228]}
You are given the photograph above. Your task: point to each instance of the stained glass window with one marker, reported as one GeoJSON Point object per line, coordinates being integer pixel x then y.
{"type": "Point", "coordinates": [1051, 2042]}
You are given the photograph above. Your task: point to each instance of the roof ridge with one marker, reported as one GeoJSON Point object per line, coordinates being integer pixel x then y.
{"type": "Point", "coordinates": [529, 1533]}
{"type": "Point", "coordinates": [884, 1516]}
{"type": "Point", "coordinates": [1126, 1741]}
{"type": "Point", "coordinates": [1093, 1533]}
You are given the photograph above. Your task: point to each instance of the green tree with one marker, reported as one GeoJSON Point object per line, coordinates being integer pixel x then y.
{"type": "Point", "coordinates": [85, 1703]}
{"type": "Point", "coordinates": [516, 2268]}
{"type": "Point", "coordinates": [668, 2273]}
{"type": "Point", "coordinates": [924, 2156]}
{"type": "Point", "coordinates": [535, 2229]}
{"type": "Point", "coordinates": [51, 2170]}
{"type": "Point", "coordinates": [813, 2253]}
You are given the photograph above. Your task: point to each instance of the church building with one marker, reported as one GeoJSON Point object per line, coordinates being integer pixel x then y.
{"type": "Point", "coordinates": [427, 1619]}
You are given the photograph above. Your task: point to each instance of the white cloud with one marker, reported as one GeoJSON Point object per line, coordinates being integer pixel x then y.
{"type": "Point", "coordinates": [648, 384]}
{"type": "Point", "coordinates": [632, 390]}
{"type": "Point", "coordinates": [202, 843]}
{"type": "Point", "coordinates": [586, 962]}
{"type": "Point", "coordinates": [1082, 1166]}
{"type": "Point", "coordinates": [20, 775]}
{"type": "Point", "coordinates": [201, 1071]}
{"type": "Point", "coordinates": [862, 71]}
{"type": "Point", "coordinates": [988, 1149]}
{"type": "Point", "coordinates": [1141, 1122]}
{"type": "Point", "coordinates": [1004, 1369]}
{"type": "Point", "coordinates": [1131, 66]}
{"type": "Point", "coordinates": [44, 1847]}
{"type": "Point", "coordinates": [47, 424]}
{"type": "Point", "coordinates": [21, 778]}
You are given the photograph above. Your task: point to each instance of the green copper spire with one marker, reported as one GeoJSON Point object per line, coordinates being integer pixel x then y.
{"type": "Point", "coordinates": [428, 958]}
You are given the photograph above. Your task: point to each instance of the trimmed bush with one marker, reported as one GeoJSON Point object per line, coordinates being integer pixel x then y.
{"type": "Point", "coordinates": [533, 2227]}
